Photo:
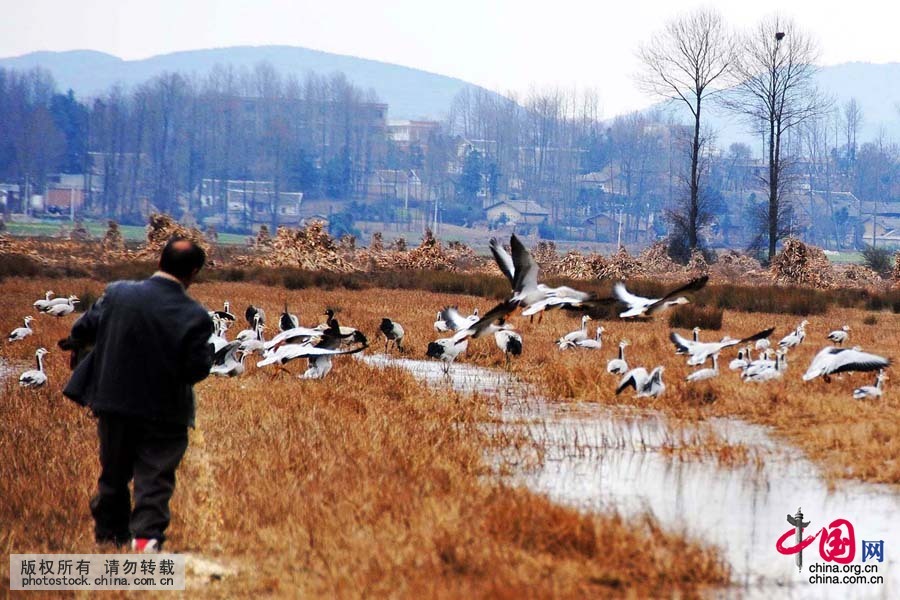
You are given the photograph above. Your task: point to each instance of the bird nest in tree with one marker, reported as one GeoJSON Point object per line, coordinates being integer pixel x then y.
{"type": "Point", "coordinates": [800, 264]}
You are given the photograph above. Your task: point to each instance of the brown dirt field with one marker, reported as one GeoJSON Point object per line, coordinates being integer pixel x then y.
{"type": "Point", "coordinates": [364, 484]}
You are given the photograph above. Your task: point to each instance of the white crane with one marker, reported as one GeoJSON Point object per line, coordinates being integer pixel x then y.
{"type": "Point", "coordinates": [287, 319]}
{"type": "Point", "coordinates": [229, 361]}
{"type": "Point", "coordinates": [393, 332]}
{"type": "Point", "coordinates": [870, 392]}
{"type": "Point", "coordinates": [618, 366]}
{"type": "Point", "coordinates": [594, 343]}
{"type": "Point", "coordinates": [63, 309]}
{"type": "Point", "coordinates": [522, 272]}
{"type": "Point", "coordinates": [793, 339]}
{"type": "Point", "coordinates": [707, 373]}
{"type": "Point", "coordinates": [639, 306]}
{"type": "Point", "coordinates": [509, 341]}
{"type": "Point", "coordinates": [570, 339]}
{"type": "Point", "coordinates": [645, 384]}
{"type": "Point", "coordinates": [832, 360]}
{"type": "Point", "coordinates": [43, 304]}
{"type": "Point", "coordinates": [20, 333]}
{"type": "Point", "coordinates": [840, 336]}
{"type": "Point", "coordinates": [699, 352]}
{"type": "Point", "coordinates": [35, 377]}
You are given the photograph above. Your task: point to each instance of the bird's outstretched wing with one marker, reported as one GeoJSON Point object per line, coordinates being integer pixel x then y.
{"type": "Point", "coordinates": [525, 269]}
{"type": "Point", "coordinates": [758, 336]}
{"type": "Point", "coordinates": [504, 260]}
{"type": "Point", "coordinates": [691, 286]}
{"type": "Point", "coordinates": [455, 321]}
{"type": "Point", "coordinates": [682, 344]}
{"type": "Point", "coordinates": [623, 295]}
{"type": "Point", "coordinates": [490, 317]}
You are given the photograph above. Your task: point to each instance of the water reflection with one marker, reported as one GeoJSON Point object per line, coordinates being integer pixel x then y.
{"type": "Point", "coordinates": [611, 458]}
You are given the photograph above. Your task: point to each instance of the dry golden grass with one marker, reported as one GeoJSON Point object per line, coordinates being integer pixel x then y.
{"type": "Point", "coordinates": [848, 438]}
{"type": "Point", "coordinates": [365, 484]}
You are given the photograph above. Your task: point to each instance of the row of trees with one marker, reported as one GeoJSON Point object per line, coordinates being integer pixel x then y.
{"type": "Point", "coordinates": [321, 135]}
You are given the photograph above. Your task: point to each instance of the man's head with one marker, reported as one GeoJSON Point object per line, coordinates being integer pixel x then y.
{"type": "Point", "coordinates": [182, 259]}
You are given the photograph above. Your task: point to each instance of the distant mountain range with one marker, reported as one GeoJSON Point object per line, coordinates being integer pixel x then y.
{"type": "Point", "coordinates": [409, 93]}
{"type": "Point", "coordinates": [413, 93]}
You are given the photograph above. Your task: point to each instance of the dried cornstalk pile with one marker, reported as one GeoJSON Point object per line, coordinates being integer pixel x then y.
{"type": "Point", "coordinates": [799, 264]}
{"type": "Point", "coordinates": [697, 265]}
{"type": "Point", "coordinates": [546, 257]}
{"type": "Point", "coordinates": [112, 240]}
{"type": "Point", "coordinates": [655, 259]}
{"type": "Point", "coordinates": [377, 243]}
{"type": "Point", "coordinates": [80, 233]}
{"type": "Point", "coordinates": [856, 276]}
{"type": "Point", "coordinates": [736, 267]}
{"type": "Point", "coordinates": [622, 266]}
{"type": "Point", "coordinates": [429, 255]}
{"type": "Point", "coordinates": [577, 266]}
{"type": "Point", "coordinates": [51, 253]}
{"type": "Point", "coordinates": [399, 245]}
{"type": "Point", "coordinates": [895, 274]}
{"type": "Point", "coordinates": [308, 248]}
{"type": "Point", "coordinates": [160, 229]}
{"type": "Point", "coordinates": [263, 237]}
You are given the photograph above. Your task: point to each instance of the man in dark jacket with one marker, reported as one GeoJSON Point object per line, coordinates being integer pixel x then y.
{"type": "Point", "coordinates": [151, 344]}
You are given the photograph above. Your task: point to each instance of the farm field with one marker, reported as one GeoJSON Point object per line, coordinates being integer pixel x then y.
{"type": "Point", "coordinates": [371, 467]}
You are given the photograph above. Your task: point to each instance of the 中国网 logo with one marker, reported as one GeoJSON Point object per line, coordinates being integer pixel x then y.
{"type": "Point", "coordinates": [837, 545]}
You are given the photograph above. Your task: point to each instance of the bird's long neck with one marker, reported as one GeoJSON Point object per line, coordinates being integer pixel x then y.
{"type": "Point", "coordinates": [879, 381]}
{"type": "Point", "coordinates": [40, 363]}
{"type": "Point", "coordinates": [584, 325]}
{"type": "Point", "coordinates": [621, 352]}
{"type": "Point", "coordinates": [715, 362]}
{"type": "Point", "coordinates": [26, 324]}
{"type": "Point", "coordinates": [696, 336]}
{"type": "Point", "coordinates": [259, 332]}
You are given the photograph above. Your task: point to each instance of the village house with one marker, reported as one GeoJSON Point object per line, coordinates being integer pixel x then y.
{"type": "Point", "coordinates": [516, 212]}
{"type": "Point", "coordinates": [387, 185]}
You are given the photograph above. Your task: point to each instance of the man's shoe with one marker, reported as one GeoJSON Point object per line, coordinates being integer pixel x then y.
{"type": "Point", "coordinates": [145, 545]}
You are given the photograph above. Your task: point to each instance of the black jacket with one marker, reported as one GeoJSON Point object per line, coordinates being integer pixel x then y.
{"type": "Point", "coordinates": [151, 344]}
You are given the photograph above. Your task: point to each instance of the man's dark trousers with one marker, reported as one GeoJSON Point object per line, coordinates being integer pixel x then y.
{"type": "Point", "coordinates": [148, 451]}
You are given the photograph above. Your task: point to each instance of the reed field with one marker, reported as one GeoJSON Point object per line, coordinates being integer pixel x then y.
{"type": "Point", "coordinates": [367, 483]}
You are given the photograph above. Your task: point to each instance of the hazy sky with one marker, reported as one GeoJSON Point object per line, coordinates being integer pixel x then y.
{"type": "Point", "coordinates": [503, 45]}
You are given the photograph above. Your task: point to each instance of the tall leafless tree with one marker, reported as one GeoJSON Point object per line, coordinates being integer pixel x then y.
{"type": "Point", "coordinates": [686, 62]}
{"type": "Point", "coordinates": [775, 89]}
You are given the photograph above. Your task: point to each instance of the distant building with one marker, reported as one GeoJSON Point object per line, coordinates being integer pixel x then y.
{"type": "Point", "coordinates": [407, 133]}
{"type": "Point", "coordinates": [395, 184]}
{"type": "Point", "coordinates": [247, 202]}
{"type": "Point", "coordinates": [516, 212]}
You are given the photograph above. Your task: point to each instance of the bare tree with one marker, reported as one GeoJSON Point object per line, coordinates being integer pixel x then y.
{"type": "Point", "coordinates": [684, 62]}
{"type": "Point", "coordinates": [775, 89]}
{"type": "Point", "coordinates": [853, 118]}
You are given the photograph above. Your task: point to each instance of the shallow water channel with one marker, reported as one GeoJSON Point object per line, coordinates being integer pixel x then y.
{"type": "Point", "coordinates": [601, 458]}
